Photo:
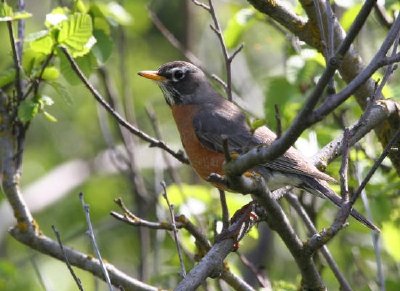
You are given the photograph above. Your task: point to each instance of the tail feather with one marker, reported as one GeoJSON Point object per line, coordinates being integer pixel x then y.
{"type": "Point", "coordinates": [317, 188]}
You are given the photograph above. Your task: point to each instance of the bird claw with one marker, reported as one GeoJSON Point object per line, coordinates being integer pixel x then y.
{"type": "Point", "coordinates": [240, 224]}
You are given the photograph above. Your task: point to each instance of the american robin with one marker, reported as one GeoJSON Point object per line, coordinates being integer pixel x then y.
{"type": "Point", "coordinates": [204, 119]}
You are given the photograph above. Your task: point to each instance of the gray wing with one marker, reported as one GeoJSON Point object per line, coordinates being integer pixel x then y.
{"type": "Point", "coordinates": [213, 125]}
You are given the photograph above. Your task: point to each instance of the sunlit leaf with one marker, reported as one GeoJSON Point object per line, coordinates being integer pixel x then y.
{"type": "Point", "coordinates": [57, 15]}
{"type": "Point", "coordinates": [6, 12]}
{"type": "Point", "coordinates": [391, 239]}
{"type": "Point", "coordinates": [50, 73]}
{"type": "Point", "coordinates": [76, 34]}
{"type": "Point", "coordinates": [49, 117]}
{"type": "Point", "coordinates": [21, 15]}
{"type": "Point", "coordinates": [79, 6]}
{"type": "Point", "coordinates": [349, 15]}
{"type": "Point", "coordinates": [41, 42]}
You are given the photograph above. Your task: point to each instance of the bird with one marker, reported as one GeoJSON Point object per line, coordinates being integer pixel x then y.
{"type": "Point", "coordinates": [205, 119]}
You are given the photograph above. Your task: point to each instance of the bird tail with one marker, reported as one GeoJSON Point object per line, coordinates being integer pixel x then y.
{"type": "Point", "coordinates": [316, 187]}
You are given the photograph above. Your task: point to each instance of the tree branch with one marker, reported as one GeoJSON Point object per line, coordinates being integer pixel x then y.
{"type": "Point", "coordinates": [152, 141]}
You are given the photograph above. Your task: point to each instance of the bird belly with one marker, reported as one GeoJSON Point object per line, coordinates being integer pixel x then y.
{"type": "Point", "coordinates": [203, 160]}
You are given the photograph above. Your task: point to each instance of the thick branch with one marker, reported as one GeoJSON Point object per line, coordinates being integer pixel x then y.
{"type": "Point", "coordinates": [352, 64]}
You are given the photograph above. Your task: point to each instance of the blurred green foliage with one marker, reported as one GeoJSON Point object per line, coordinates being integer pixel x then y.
{"type": "Point", "coordinates": [120, 37]}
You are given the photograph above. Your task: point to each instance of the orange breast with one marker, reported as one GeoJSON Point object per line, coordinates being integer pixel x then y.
{"type": "Point", "coordinates": [203, 160]}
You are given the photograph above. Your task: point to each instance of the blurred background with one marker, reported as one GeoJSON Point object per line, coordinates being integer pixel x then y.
{"type": "Point", "coordinates": [85, 150]}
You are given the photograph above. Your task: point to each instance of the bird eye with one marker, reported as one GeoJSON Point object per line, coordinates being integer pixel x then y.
{"type": "Point", "coordinates": [177, 75]}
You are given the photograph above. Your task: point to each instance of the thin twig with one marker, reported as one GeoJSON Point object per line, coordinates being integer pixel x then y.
{"type": "Point", "coordinates": [93, 240]}
{"type": "Point", "coordinates": [375, 235]}
{"type": "Point", "coordinates": [38, 273]}
{"type": "Point", "coordinates": [174, 230]}
{"type": "Point", "coordinates": [17, 61]}
{"type": "Point", "coordinates": [294, 202]}
{"type": "Point", "coordinates": [218, 31]}
{"type": "Point", "coordinates": [306, 117]}
{"type": "Point", "coordinates": [388, 70]}
{"type": "Point", "coordinates": [152, 141]}
{"type": "Point", "coordinates": [156, 128]}
{"type": "Point", "coordinates": [278, 121]}
{"type": "Point", "coordinates": [225, 210]}
{"type": "Point", "coordinates": [21, 30]}
{"type": "Point", "coordinates": [76, 279]}
{"type": "Point", "coordinates": [173, 40]}
{"type": "Point", "coordinates": [261, 278]}
{"type": "Point", "coordinates": [344, 182]}
{"type": "Point", "coordinates": [376, 165]}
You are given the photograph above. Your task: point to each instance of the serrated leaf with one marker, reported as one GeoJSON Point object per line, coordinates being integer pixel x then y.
{"type": "Point", "coordinates": [50, 73]}
{"type": "Point", "coordinates": [76, 33]}
{"type": "Point", "coordinates": [27, 110]}
{"type": "Point", "coordinates": [238, 25]}
{"type": "Point", "coordinates": [7, 77]}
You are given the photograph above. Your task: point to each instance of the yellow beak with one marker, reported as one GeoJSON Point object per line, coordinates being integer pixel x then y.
{"type": "Point", "coordinates": [152, 75]}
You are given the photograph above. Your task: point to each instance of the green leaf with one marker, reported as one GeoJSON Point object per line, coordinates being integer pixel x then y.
{"type": "Point", "coordinates": [86, 63]}
{"type": "Point", "coordinates": [7, 13]}
{"type": "Point", "coordinates": [103, 48]}
{"type": "Point", "coordinates": [49, 117]}
{"type": "Point", "coordinates": [50, 73]}
{"type": "Point", "coordinates": [7, 77]}
{"type": "Point", "coordinates": [237, 26]}
{"type": "Point", "coordinates": [348, 17]}
{"type": "Point", "coordinates": [391, 239]}
{"type": "Point", "coordinates": [76, 34]}
{"type": "Point", "coordinates": [27, 110]}
{"type": "Point", "coordinates": [280, 92]}
{"type": "Point", "coordinates": [79, 6]}
{"type": "Point", "coordinates": [22, 15]}
{"type": "Point", "coordinates": [56, 16]}
{"type": "Point", "coordinates": [62, 91]}
{"type": "Point", "coordinates": [41, 42]}
{"type": "Point", "coordinates": [177, 194]}
{"type": "Point", "coordinates": [113, 12]}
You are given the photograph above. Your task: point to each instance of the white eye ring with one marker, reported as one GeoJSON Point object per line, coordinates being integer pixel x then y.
{"type": "Point", "coordinates": [178, 74]}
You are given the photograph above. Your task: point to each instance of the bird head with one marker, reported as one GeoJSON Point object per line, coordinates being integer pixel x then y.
{"type": "Point", "coordinates": [181, 82]}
